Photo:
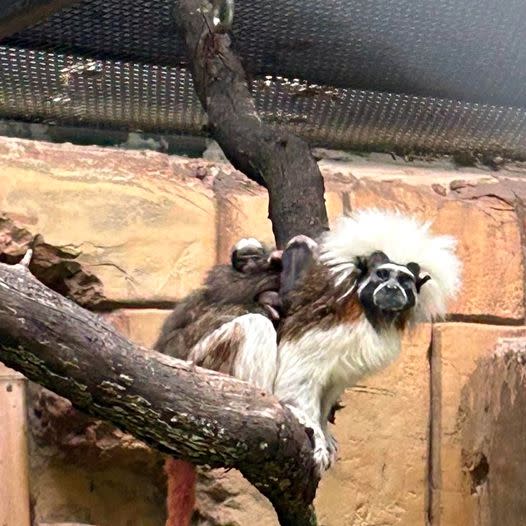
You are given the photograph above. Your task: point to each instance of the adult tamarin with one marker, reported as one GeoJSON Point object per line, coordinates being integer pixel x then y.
{"type": "Point", "coordinates": [378, 273]}
{"type": "Point", "coordinates": [368, 280]}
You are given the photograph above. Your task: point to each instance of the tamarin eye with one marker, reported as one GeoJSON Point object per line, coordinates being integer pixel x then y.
{"type": "Point", "coordinates": [406, 281]}
{"type": "Point", "coordinates": [382, 274]}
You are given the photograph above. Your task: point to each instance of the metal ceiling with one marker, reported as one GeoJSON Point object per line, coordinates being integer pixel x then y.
{"type": "Point", "coordinates": [435, 75]}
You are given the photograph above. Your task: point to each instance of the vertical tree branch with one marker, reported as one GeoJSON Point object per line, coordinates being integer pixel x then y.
{"type": "Point", "coordinates": [276, 159]}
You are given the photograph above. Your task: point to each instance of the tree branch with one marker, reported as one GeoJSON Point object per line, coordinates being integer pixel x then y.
{"type": "Point", "coordinates": [274, 158]}
{"type": "Point", "coordinates": [198, 415]}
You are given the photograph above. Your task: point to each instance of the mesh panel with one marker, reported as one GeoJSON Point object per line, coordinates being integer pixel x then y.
{"type": "Point", "coordinates": [435, 75]}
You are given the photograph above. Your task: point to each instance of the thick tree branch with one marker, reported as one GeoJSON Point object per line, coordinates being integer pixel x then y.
{"type": "Point", "coordinates": [276, 159]}
{"type": "Point", "coordinates": [191, 413]}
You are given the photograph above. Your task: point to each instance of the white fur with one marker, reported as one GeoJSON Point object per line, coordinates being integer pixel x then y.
{"type": "Point", "coordinates": [257, 359]}
{"type": "Point", "coordinates": [314, 371]}
{"type": "Point", "coordinates": [403, 239]}
{"type": "Point", "coordinates": [395, 266]}
{"type": "Point", "coordinates": [309, 374]}
{"type": "Point", "coordinates": [336, 357]}
{"type": "Point", "coordinates": [249, 242]}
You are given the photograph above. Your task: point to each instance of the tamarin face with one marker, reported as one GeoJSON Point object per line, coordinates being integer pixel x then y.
{"type": "Point", "coordinates": [250, 256]}
{"type": "Point", "coordinates": [388, 289]}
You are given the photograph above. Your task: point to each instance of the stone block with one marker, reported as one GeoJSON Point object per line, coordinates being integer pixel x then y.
{"type": "Point", "coordinates": [226, 498]}
{"type": "Point", "coordinates": [141, 326]}
{"type": "Point", "coordinates": [144, 226]}
{"type": "Point", "coordinates": [492, 431]}
{"type": "Point", "coordinates": [457, 350]}
{"type": "Point", "coordinates": [65, 492]}
{"type": "Point", "coordinates": [14, 477]}
{"type": "Point", "coordinates": [380, 478]}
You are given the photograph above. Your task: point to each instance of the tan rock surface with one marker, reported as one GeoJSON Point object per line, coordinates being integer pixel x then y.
{"type": "Point", "coordinates": [381, 476]}
{"type": "Point", "coordinates": [142, 326]}
{"type": "Point", "coordinates": [65, 492]}
{"type": "Point", "coordinates": [146, 230]}
{"type": "Point", "coordinates": [227, 499]}
{"type": "Point", "coordinates": [457, 349]}
{"type": "Point", "coordinates": [492, 431]}
{"type": "Point", "coordinates": [55, 267]}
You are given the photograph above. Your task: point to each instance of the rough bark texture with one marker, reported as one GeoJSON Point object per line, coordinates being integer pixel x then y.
{"type": "Point", "coordinates": [194, 414]}
{"type": "Point", "coordinates": [274, 158]}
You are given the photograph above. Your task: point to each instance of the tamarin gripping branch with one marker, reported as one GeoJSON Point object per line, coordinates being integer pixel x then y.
{"type": "Point", "coordinates": [347, 302]}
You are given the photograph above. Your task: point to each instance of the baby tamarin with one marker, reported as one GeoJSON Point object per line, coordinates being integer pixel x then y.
{"type": "Point", "coordinates": [250, 284]}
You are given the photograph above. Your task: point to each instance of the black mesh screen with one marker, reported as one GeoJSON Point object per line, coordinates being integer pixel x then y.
{"type": "Point", "coordinates": [433, 75]}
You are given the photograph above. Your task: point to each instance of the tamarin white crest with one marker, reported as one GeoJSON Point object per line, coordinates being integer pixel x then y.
{"type": "Point", "coordinates": [342, 307]}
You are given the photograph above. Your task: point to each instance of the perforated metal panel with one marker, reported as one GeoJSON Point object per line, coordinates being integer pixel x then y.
{"type": "Point", "coordinates": [434, 75]}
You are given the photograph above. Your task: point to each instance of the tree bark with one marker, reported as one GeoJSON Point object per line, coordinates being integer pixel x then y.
{"type": "Point", "coordinates": [191, 413]}
{"type": "Point", "coordinates": [278, 160]}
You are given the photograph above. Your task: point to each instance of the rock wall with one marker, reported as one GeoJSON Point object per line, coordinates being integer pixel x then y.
{"type": "Point", "coordinates": [126, 233]}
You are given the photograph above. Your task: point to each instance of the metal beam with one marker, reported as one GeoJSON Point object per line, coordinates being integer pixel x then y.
{"type": "Point", "coordinates": [16, 15]}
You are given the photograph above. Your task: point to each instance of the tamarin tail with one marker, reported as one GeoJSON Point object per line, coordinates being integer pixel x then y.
{"type": "Point", "coordinates": [180, 500]}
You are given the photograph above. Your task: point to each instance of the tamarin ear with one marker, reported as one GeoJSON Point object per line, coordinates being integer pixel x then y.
{"type": "Point", "coordinates": [414, 268]}
{"type": "Point", "coordinates": [419, 280]}
{"type": "Point", "coordinates": [422, 281]}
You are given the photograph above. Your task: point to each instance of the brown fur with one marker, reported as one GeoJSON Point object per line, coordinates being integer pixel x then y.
{"type": "Point", "coordinates": [226, 294]}
{"type": "Point", "coordinates": [318, 303]}
{"type": "Point", "coordinates": [403, 320]}
{"type": "Point", "coordinates": [222, 352]}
